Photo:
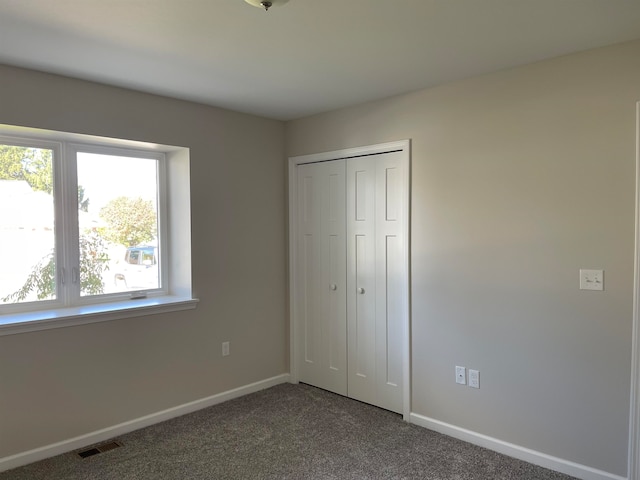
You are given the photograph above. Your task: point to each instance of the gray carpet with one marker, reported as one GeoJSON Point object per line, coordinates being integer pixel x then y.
{"type": "Point", "coordinates": [286, 432]}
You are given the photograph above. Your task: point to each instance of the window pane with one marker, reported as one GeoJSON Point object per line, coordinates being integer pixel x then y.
{"type": "Point", "coordinates": [27, 256]}
{"type": "Point", "coordinates": [118, 222]}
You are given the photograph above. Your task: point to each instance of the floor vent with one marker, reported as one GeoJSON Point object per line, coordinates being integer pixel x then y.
{"type": "Point", "coordinates": [105, 447]}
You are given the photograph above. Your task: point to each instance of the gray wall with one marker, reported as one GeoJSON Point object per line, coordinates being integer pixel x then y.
{"type": "Point", "coordinates": [520, 178]}
{"type": "Point", "coordinates": [57, 384]}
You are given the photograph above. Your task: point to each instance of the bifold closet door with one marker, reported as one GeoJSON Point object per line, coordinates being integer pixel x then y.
{"type": "Point", "coordinates": [375, 279]}
{"type": "Point", "coordinates": [320, 276]}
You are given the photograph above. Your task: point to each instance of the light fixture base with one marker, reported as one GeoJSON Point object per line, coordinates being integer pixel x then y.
{"type": "Point", "coordinates": [266, 5]}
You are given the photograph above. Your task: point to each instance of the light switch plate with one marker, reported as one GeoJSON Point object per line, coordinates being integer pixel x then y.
{"type": "Point", "coordinates": [474, 378]}
{"type": "Point", "coordinates": [591, 279]}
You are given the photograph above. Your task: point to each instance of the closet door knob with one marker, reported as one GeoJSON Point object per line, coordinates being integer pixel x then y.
{"type": "Point", "coordinates": [361, 291]}
{"type": "Point", "coordinates": [333, 286]}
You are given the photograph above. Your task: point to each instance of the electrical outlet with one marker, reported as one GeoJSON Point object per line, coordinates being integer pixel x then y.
{"type": "Point", "coordinates": [225, 349]}
{"type": "Point", "coordinates": [474, 378]}
{"type": "Point", "coordinates": [461, 375]}
{"type": "Point", "coordinates": [591, 279]}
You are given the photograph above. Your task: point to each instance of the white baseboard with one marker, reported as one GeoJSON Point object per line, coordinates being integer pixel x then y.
{"type": "Point", "coordinates": [537, 458]}
{"type": "Point", "coordinates": [24, 458]}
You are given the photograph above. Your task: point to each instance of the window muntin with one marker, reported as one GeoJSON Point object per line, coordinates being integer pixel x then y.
{"type": "Point", "coordinates": [66, 257]}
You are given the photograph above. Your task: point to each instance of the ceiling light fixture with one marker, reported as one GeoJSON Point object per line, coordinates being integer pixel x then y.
{"type": "Point", "coordinates": [266, 5]}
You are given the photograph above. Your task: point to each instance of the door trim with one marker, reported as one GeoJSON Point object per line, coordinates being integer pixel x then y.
{"type": "Point", "coordinates": [403, 146]}
{"type": "Point", "coordinates": [634, 413]}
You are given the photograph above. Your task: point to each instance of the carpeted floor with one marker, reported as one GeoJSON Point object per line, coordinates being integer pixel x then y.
{"type": "Point", "coordinates": [286, 432]}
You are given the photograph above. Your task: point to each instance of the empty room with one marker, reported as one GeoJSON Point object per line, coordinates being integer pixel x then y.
{"type": "Point", "coordinates": [329, 239]}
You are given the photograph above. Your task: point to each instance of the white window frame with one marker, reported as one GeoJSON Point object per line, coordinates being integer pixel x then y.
{"type": "Point", "coordinates": [70, 308]}
{"type": "Point", "coordinates": [61, 252]}
{"type": "Point", "coordinates": [72, 152]}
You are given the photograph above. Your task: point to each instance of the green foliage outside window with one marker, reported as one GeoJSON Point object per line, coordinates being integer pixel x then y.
{"type": "Point", "coordinates": [42, 279]}
{"type": "Point", "coordinates": [130, 221]}
{"type": "Point", "coordinates": [32, 165]}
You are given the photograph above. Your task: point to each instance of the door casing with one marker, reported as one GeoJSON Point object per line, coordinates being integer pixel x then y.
{"type": "Point", "coordinates": [634, 413]}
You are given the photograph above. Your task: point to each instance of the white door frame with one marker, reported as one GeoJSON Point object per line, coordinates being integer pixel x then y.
{"type": "Point", "coordinates": [399, 146]}
{"type": "Point", "coordinates": [634, 413]}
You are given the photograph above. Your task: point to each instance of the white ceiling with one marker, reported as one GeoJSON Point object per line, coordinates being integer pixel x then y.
{"type": "Point", "coordinates": [305, 57]}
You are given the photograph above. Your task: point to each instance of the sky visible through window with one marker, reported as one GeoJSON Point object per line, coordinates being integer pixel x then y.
{"type": "Point", "coordinates": [105, 177]}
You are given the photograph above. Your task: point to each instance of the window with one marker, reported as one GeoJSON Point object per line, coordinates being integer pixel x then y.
{"type": "Point", "coordinates": [83, 224]}
{"type": "Point", "coordinates": [118, 220]}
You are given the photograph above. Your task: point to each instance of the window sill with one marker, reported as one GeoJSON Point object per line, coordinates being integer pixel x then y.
{"type": "Point", "coordinates": [11, 324]}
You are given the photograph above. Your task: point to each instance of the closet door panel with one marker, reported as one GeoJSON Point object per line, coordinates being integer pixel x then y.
{"type": "Point", "coordinates": [361, 282]}
{"type": "Point", "coordinates": [307, 275]}
{"type": "Point", "coordinates": [334, 279]}
{"type": "Point", "coordinates": [320, 305]}
{"type": "Point", "coordinates": [390, 280]}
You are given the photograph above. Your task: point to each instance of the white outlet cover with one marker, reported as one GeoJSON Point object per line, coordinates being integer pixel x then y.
{"type": "Point", "coordinates": [461, 375]}
{"type": "Point", "coordinates": [591, 279]}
